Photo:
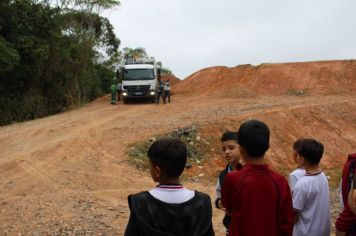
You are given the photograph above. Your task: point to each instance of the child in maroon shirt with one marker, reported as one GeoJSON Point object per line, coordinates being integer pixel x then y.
{"type": "Point", "coordinates": [257, 198]}
{"type": "Point", "coordinates": [346, 222]}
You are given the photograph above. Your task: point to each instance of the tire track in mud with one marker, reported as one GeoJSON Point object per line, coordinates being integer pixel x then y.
{"type": "Point", "coordinates": [55, 136]}
{"type": "Point", "coordinates": [82, 159]}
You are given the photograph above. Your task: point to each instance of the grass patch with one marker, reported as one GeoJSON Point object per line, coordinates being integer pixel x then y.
{"type": "Point", "coordinates": [334, 177]}
{"type": "Point", "coordinates": [189, 135]}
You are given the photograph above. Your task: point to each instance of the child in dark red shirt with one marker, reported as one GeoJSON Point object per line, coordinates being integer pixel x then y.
{"type": "Point", "coordinates": [257, 198]}
{"type": "Point", "coordinates": [346, 222]}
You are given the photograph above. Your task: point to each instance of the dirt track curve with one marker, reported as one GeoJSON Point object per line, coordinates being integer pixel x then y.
{"type": "Point", "coordinates": [69, 174]}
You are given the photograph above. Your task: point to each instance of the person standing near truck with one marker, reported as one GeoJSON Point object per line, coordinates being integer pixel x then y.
{"type": "Point", "coordinates": [119, 90]}
{"type": "Point", "coordinates": [167, 91]}
{"type": "Point", "coordinates": [113, 89]}
{"type": "Point", "coordinates": [160, 87]}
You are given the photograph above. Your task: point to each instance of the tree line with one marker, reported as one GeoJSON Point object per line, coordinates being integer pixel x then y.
{"type": "Point", "coordinates": [53, 55]}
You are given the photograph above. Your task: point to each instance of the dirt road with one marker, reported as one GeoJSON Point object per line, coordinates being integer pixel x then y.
{"type": "Point", "coordinates": [69, 174]}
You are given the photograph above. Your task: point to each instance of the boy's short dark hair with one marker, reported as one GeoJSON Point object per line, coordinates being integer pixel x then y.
{"type": "Point", "coordinates": [229, 136]}
{"type": "Point", "coordinates": [298, 144]}
{"type": "Point", "coordinates": [170, 155]}
{"type": "Point", "coordinates": [312, 151]}
{"type": "Point", "coordinates": [253, 136]}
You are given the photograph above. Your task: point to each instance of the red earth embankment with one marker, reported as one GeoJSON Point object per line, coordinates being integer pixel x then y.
{"type": "Point", "coordinates": [323, 77]}
{"type": "Point", "coordinates": [172, 79]}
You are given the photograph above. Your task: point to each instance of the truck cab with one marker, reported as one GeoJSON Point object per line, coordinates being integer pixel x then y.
{"type": "Point", "coordinates": [139, 79]}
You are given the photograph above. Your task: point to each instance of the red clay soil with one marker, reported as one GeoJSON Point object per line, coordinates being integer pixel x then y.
{"type": "Point", "coordinates": [172, 79]}
{"type": "Point", "coordinates": [70, 174]}
{"type": "Point", "coordinates": [324, 77]}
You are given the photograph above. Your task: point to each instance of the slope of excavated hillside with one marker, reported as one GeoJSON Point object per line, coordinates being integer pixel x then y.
{"type": "Point", "coordinates": [330, 120]}
{"type": "Point", "coordinates": [69, 174]}
{"type": "Point", "coordinates": [173, 80]}
{"type": "Point", "coordinates": [323, 77]}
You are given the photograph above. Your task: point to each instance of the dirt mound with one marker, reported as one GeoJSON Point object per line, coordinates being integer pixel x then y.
{"type": "Point", "coordinates": [322, 77]}
{"type": "Point", "coordinates": [332, 124]}
{"type": "Point", "coordinates": [172, 78]}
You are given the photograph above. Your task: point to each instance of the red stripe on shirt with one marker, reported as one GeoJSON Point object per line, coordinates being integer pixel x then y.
{"type": "Point", "coordinates": [170, 186]}
{"type": "Point", "coordinates": [308, 174]}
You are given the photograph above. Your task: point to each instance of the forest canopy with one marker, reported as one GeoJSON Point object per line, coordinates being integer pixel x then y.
{"type": "Point", "coordinates": [53, 56]}
{"type": "Point", "coordinates": [56, 55]}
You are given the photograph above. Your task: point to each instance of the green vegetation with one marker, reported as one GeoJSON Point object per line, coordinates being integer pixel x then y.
{"type": "Point", "coordinates": [334, 176]}
{"type": "Point", "coordinates": [189, 135]}
{"type": "Point", "coordinates": [53, 57]}
{"type": "Point", "coordinates": [134, 53]}
{"type": "Point", "coordinates": [166, 71]}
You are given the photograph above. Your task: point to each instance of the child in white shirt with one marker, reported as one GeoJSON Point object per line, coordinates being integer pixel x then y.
{"type": "Point", "coordinates": [311, 194]}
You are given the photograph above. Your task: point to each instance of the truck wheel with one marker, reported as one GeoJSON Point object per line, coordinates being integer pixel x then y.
{"type": "Point", "coordinates": [125, 100]}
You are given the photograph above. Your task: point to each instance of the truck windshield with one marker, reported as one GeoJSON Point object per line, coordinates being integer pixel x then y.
{"type": "Point", "coordinates": [139, 74]}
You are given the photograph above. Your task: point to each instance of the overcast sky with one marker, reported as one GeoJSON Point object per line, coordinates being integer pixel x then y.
{"type": "Point", "coordinates": [189, 35]}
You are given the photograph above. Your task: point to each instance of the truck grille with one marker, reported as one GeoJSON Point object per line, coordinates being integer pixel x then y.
{"type": "Point", "coordinates": [137, 89]}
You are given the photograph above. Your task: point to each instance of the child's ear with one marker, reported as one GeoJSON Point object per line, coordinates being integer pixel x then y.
{"type": "Point", "coordinates": [301, 160]}
{"type": "Point", "coordinates": [242, 152]}
{"type": "Point", "coordinates": [158, 172]}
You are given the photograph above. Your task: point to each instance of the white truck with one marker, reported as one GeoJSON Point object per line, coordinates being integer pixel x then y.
{"type": "Point", "coordinates": [139, 79]}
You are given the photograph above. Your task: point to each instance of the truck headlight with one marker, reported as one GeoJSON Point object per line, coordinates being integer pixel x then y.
{"type": "Point", "coordinates": [124, 94]}
{"type": "Point", "coordinates": [152, 92]}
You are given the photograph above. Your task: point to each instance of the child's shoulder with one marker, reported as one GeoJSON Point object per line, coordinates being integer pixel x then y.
{"type": "Point", "coordinates": [298, 172]}
{"type": "Point", "coordinates": [138, 198]}
{"type": "Point", "coordinates": [311, 179]}
{"type": "Point", "coordinates": [201, 195]}
{"type": "Point", "coordinates": [141, 196]}
{"type": "Point", "coordinates": [225, 170]}
{"type": "Point", "coordinates": [145, 196]}
{"type": "Point", "coordinates": [278, 177]}
{"type": "Point", "coordinates": [236, 174]}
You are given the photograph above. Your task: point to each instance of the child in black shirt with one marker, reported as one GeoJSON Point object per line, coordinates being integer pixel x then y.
{"type": "Point", "coordinates": [169, 209]}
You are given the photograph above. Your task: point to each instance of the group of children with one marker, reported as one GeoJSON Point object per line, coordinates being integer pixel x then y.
{"type": "Point", "coordinates": [256, 200]}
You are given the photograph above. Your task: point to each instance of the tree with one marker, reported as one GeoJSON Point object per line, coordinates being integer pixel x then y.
{"type": "Point", "coordinates": [166, 71]}
{"type": "Point", "coordinates": [136, 53]}
{"type": "Point", "coordinates": [52, 58]}
{"type": "Point", "coordinates": [87, 5]}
